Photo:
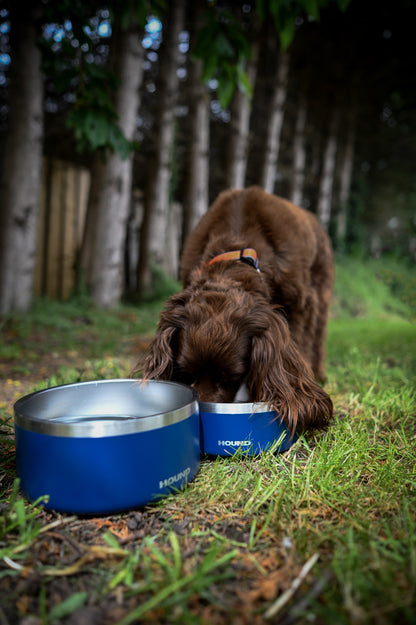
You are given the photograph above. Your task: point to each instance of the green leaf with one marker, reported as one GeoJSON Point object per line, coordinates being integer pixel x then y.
{"type": "Point", "coordinates": [176, 551]}
{"type": "Point", "coordinates": [209, 68]}
{"type": "Point", "coordinates": [97, 128]}
{"type": "Point", "coordinates": [225, 90]}
{"type": "Point", "coordinates": [287, 33]}
{"type": "Point", "coordinates": [223, 47]}
{"type": "Point", "coordinates": [68, 606]}
{"type": "Point", "coordinates": [243, 81]}
{"type": "Point", "coordinates": [15, 491]}
{"type": "Point", "coordinates": [111, 540]}
{"type": "Point", "coordinates": [19, 508]}
{"type": "Point", "coordinates": [203, 42]}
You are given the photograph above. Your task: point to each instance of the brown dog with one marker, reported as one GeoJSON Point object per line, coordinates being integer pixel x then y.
{"type": "Point", "coordinates": [258, 275]}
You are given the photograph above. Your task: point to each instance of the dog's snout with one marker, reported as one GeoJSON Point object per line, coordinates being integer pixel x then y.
{"type": "Point", "coordinates": [209, 391]}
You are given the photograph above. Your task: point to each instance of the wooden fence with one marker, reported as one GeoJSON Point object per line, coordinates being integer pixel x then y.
{"type": "Point", "coordinates": [63, 208]}
{"type": "Point", "coordinates": [63, 205]}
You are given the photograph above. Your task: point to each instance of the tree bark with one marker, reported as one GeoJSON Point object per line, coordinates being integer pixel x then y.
{"type": "Point", "coordinates": [299, 151]}
{"type": "Point", "coordinates": [328, 173]}
{"type": "Point", "coordinates": [196, 196]}
{"type": "Point", "coordinates": [110, 197]}
{"type": "Point", "coordinates": [157, 197]}
{"type": "Point", "coordinates": [347, 165]}
{"type": "Point", "coordinates": [97, 175]}
{"type": "Point", "coordinates": [271, 155]}
{"type": "Point", "coordinates": [240, 127]}
{"type": "Point", "coordinates": [197, 191]}
{"type": "Point", "coordinates": [22, 167]}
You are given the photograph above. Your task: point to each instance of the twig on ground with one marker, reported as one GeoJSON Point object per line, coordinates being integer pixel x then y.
{"type": "Point", "coordinates": [293, 614]}
{"type": "Point", "coordinates": [288, 594]}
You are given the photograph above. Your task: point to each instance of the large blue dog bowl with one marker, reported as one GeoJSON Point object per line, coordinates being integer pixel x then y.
{"type": "Point", "coordinates": [250, 427]}
{"type": "Point", "coordinates": [105, 446]}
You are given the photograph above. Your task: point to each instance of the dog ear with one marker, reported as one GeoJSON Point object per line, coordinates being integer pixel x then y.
{"type": "Point", "coordinates": [159, 361]}
{"type": "Point", "coordinates": [281, 377]}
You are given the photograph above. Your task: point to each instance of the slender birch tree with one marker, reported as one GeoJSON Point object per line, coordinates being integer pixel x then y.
{"type": "Point", "coordinates": [275, 124]}
{"type": "Point", "coordinates": [346, 169]}
{"type": "Point", "coordinates": [326, 185]}
{"type": "Point", "coordinates": [299, 150]}
{"type": "Point", "coordinates": [240, 121]}
{"type": "Point", "coordinates": [157, 194]}
{"type": "Point", "coordinates": [196, 199]}
{"type": "Point", "coordinates": [196, 195]}
{"type": "Point", "coordinates": [110, 202]}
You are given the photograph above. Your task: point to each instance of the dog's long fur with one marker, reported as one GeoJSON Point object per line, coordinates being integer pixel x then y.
{"type": "Point", "coordinates": [232, 324]}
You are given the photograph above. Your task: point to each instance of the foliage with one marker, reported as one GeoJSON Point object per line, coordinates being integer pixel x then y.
{"type": "Point", "coordinates": [82, 334]}
{"type": "Point", "coordinates": [379, 288]}
{"type": "Point", "coordinates": [401, 281]}
{"type": "Point", "coordinates": [76, 65]}
{"type": "Point", "coordinates": [93, 118]}
{"type": "Point", "coordinates": [136, 11]}
{"type": "Point", "coordinates": [223, 46]}
{"type": "Point", "coordinates": [162, 286]}
{"type": "Point", "coordinates": [284, 14]}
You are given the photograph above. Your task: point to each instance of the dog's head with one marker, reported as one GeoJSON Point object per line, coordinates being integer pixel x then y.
{"type": "Point", "coordinates": [217, 340]}
{"type": "Point", "coordinates": [204, 340]}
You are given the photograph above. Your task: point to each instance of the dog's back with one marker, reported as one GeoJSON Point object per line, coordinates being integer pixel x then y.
{"type": "Point", "coordinates": [280, 232]}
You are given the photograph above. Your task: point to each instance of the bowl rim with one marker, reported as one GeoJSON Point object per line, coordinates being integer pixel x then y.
{"type": "Point", "coordinates": [235, 408]}
{"type": "Point", "coordinates": [108, 425]}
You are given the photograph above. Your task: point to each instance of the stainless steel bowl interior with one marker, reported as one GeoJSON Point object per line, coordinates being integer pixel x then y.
{"type": "Point", "coordinates": [105, 407]}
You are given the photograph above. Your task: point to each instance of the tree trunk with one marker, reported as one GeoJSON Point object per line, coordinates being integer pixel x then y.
{"type": "Point", "coordinates": [299, 152]}
{"type": "Point", "coordinates": [22, 167]}
{"type": "Point", "coordinates": [271, 155]}
{"type": "Point", "coordinates": [157, 197]}
{"type": "Point", "coordinates": [173, 240]}
{"type": "Point", "coordinates": [97, 175]}
{"type": "Point", "coordinates": [240, 126]}
{"type": "Point", "coordinates": [110, 197]}
{"type": "Point", "coordinates": [347, 165]}
{"type": "Point", "coordinates": [328, 173]}
{"type": "Point", "coordinates": [197, 192]}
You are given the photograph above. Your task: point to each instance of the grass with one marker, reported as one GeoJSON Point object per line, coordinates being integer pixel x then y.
{"type": "Point", "coordinates": [373, 288]}
{"type": "Point", "coordinates": [324, 533]}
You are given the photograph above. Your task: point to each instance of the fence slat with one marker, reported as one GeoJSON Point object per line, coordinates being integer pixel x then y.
{"type": "Point", "coordinates": [63, 206]}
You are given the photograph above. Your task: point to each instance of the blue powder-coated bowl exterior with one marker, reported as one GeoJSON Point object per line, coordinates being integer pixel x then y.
{"type": "Point", "coordinates": [106, 470]}
{"type": "Point", "coordinates": [249, 427]}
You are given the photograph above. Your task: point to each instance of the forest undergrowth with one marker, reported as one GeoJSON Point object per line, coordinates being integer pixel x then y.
{"type": "Point", "coordinates": [324, 533]}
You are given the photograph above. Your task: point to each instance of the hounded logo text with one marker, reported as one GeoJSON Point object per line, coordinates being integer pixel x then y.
{"type": "Point", "coordinates": [173, 479]}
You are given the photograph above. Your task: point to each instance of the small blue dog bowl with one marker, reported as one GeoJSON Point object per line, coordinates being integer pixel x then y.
{"type": "Point", "coordinates": [106, 446]}
{"type": "Point", "coordinates": [250, 427]}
